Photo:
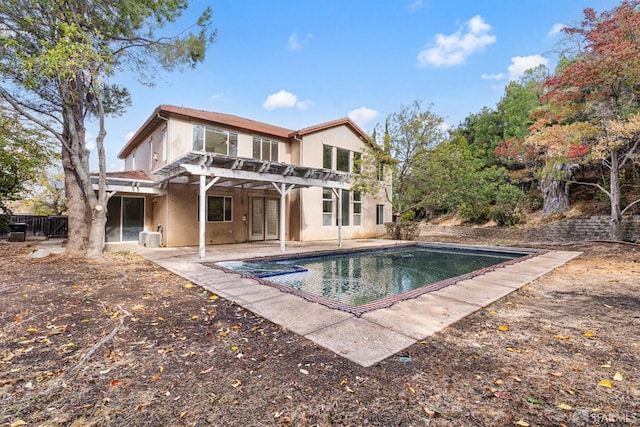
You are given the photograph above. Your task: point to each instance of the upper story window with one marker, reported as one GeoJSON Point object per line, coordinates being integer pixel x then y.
{"type": "Point", "coordinates": [214, 140]}
{"type": "Point", "coordinates": [342, 160]}
{"type": "Point", "coordinates": [327, 157]}
{"type": "Point", "coordinates": [265, 149]}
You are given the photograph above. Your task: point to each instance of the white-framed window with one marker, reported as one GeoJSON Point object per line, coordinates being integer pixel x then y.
{"type": "Point", "coordinates": [345, 202]}
{"type": "Point", "coordinates": [343, 159]}
{"type": "Point", "coordinates": [265, 149]}
{"type": "Point", "coordinates": [219, 209]}
{"type": "Point", "coordinates": [379, 214]}
{"type": "Point", "coordinates": [357, 208]}
{"type": "Point", "coordinates": [327, 207]}
{"type": "Point", "coordinates": [133, 160]}
{"type": "Point", "coordinates": [212, 140]}
{"type": "Point", "coordinates": [327, 157]}
{"type": "Point", "coordinates": [380, 171]}
{"type": "Point", "coordinates": [357, 162]}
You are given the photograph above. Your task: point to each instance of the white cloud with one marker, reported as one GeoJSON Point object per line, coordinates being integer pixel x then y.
{"type": "Point", "coordinates": [305, 105]}
{"type": "Point", "coordinates": [362, 115]}
{"type": "Point", "coordinates": [295, 43]}
{"type": "Point", "coordinates": [284, 99]}
{"type": "Point", "coordinates": [520, 64]}
{"type": "Point", "coordinates": [498, 76]}
{"type": "Point", "coordinates": [129, 135]}
{"type": "Point", "coordinates": [454, 49]}
{"type": "Point", "coordinates": [556, 29]}
{"type": "Point", "coordinates": [413, 7]}
{"type": "Point", "coordinates": [89, 141]}
{"type": "Point", "coordinates": [217, 96]}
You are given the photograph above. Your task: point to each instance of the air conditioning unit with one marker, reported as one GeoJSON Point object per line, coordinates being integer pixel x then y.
{"type": "Point", "coordinates": [150, 239]}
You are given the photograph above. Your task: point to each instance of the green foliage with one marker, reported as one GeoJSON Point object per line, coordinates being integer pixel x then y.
{"type": "Point", "coordinates": [56, 60]}
{"type": "Point", "coordinates": [24, 153]}
{"type": "Point", "coordinates": [407, 136]}
{"type": "Point", "coordinates": [452, 179]}
{"type": "Point", "coordinates": [506, 209]}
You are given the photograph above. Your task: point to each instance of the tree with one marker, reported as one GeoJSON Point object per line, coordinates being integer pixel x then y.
{"type": "Point", "coordinates": [56, 59]}
{"type": "Point", "coordinates": [408, 135]}
{"type": "Point", "coordinates": [594, 99]}
{"type": "Point", "coordinates": [44, 196]}
{"type": "Point", "coordinates": [453, 179]}
{"type": "Point", "coordinates": [24, 153]}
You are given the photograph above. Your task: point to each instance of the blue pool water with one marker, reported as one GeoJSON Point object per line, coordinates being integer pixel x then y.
{"type": "Point", "coordinates": [358, 278]}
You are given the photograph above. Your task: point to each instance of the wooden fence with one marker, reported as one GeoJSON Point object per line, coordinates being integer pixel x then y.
{"type": "Point", "coordinates": [38, 225]}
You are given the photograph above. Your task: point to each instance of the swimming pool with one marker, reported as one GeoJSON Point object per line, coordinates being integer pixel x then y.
{"type": "Point", "coordinates": [360, 281]}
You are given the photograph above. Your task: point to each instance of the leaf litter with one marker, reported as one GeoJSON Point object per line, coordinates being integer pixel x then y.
{"type": "Point", "coordinates": [123, 342]}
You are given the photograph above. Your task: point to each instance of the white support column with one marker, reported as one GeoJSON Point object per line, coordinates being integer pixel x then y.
{"type": "Point", "coordinates": [283, 190]}
{"type": "Point", "coordinates": [338, 193]}
{"type": "Point", "coordinates": [202, 212]}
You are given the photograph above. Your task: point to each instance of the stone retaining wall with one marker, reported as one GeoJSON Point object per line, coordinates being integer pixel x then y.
{"type": "Point", "coordinates": [568, 230]}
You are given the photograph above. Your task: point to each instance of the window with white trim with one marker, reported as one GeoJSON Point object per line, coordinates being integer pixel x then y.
{"type": "Point", "coordinates": [342, 160]}
{"type": "Point", "coordinates": [345, 202]}
{"type": "Point", "coordinates": [212, 140]}
{"type": "Point", "coordinates": [327, 207]}
{"type": "Point", "coordinates": [379, 214]}
{"type": "Point", "coordinates": [327, 157]}
{"type": "Point", "coordinates": [219, 209]}
{"type": "Point", "coordinates": [357, 208]}
{"type": "Point", "coordinates": [357, 162]}
{"type": "Point", "coordinates": [265, 149]}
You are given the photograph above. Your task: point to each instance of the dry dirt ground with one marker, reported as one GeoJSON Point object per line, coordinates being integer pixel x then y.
{"type": "Point", "coordinates": [126, 343]}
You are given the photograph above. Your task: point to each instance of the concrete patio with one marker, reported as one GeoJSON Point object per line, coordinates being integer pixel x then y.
{"type": "Point", "coordinates": [365, 340]}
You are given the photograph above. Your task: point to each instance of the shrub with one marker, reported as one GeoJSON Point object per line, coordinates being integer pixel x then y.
{"type": "Point", "coordinates": [403, 230]}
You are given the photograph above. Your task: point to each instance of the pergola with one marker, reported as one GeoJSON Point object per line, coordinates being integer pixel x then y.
{"type": "Point", "coordinates": [221, 170]}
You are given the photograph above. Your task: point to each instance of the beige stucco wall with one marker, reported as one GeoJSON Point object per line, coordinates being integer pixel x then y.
{"type": "Point", "coordinates": [177, 211]}
{"type": "Point", "coordinates": [311, 227]}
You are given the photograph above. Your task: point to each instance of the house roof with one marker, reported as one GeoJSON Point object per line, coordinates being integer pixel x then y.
{"type": "Point", "coordinates": [137, 174]}
{"type": "Point", "coordinates": [334, 123]}
{"type": "Point", "coordinates": [163, 112]}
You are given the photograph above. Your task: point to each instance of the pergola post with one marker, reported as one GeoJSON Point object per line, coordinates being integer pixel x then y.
{"type": "Point", "coordinates": [338, 193]}
{"type": "Point", "coordinates": [202, 212]}
{"type": "Point", "coordinates": [283, 190]}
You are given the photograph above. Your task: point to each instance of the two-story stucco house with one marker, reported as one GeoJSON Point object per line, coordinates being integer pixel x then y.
{"type": "Point", "coordinates": [201, 178]}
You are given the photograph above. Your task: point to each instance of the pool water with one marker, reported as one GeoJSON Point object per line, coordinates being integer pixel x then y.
{"type": "Point", "coordinates": [358, 278]}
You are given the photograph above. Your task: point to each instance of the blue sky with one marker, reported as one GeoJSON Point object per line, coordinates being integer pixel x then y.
{"type": "Point", "coordinates": [299, 63]}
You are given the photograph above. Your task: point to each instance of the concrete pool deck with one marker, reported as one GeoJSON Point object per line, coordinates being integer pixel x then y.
{"type": "Point", "coordinates": [365, 340]}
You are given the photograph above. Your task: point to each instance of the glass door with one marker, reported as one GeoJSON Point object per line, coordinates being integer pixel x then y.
{"type": "Point", "coordinates": [271, 219]}
{"type": "Point", "coordinates": [264, 219]}
{"type": "Point", "coordinates": [257, 219]}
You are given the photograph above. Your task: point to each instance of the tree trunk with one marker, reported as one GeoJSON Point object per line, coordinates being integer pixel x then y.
{"type": "Point", "coordinates": [555, 191]}
{"type": "Point", "coordinates": [78, 229]}
{"type": "Point", "coordinates": [614, 189]}
{"type": "Point", "coordinates": [97, 232]}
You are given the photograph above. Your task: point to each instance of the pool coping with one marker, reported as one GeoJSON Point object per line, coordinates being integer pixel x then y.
{"type": "Point", "coordinates": [373, 336]}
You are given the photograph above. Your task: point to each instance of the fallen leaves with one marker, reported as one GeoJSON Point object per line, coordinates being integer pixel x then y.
{"type": "Point", "coordinates": [604, 383]}
{"type": "Point", "coordinates": [503, 328]}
